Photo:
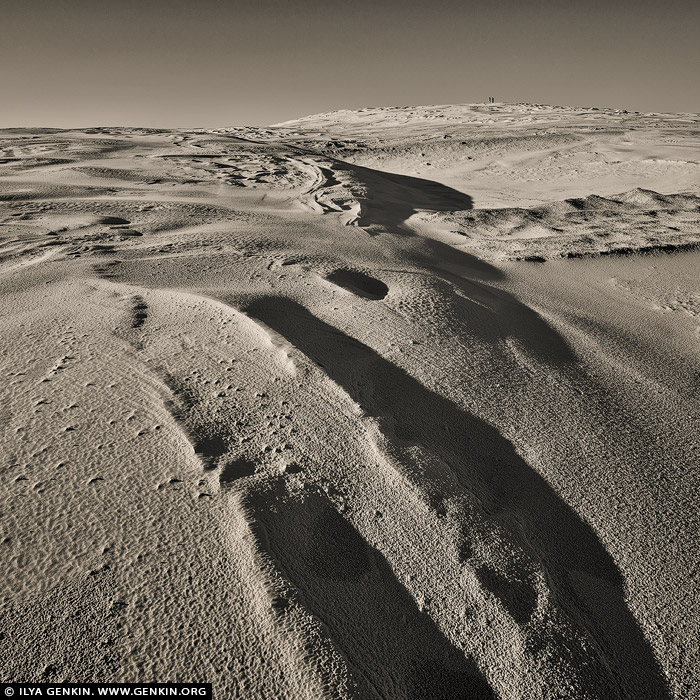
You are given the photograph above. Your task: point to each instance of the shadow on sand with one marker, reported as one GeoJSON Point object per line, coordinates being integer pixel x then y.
{"type": "Point", "coordinates": [586, 584]}
{"type": "Point", "coordinates": [393, 649]}
{"type": "Point", "coordinates": [392, 199]}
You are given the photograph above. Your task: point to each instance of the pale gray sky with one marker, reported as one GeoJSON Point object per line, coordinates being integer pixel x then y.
{"type": "Point", "coordinates": [217, 63]}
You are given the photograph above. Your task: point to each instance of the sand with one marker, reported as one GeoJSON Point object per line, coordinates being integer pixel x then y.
{"type": "Point", "coordinates": [387, 403]}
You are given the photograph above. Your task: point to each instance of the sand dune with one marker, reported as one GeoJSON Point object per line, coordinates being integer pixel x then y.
{"type": "Point", "coordinates": [290, 410]}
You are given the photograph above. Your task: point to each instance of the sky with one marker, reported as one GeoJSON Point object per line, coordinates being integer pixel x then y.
{"type": "Point", "coordinates": [209, 63]}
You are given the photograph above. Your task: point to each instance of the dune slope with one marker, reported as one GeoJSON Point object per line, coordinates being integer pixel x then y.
{"type": "Point", "coordinates": [297, 412]}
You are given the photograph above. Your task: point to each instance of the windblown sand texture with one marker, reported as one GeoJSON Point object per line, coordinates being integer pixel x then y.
{"type": "Point", "coordinates": [327, 409]}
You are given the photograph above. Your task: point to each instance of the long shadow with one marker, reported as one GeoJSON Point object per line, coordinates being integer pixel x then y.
{"type": "Point", "coordinates": [584, 579]}
{"type": "Point", "coordinates": [419, 192]}
{"type": "Point", "coordinates": [393, 199]}
{"type": "Point", "coordinates": [394, 650]}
